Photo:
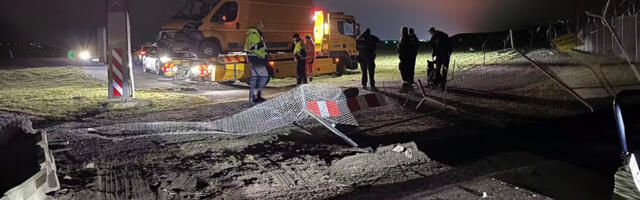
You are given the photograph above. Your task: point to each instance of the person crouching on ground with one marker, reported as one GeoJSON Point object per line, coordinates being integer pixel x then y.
{"type": "Point", "coordinates": [256, 50]}
{"type": "Point", "coordinates": [300, 55]}
{"type": "Point", "coordinates": [310, 48]}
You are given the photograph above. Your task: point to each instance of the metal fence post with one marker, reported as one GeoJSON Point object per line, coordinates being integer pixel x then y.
{"type": "Point", "coordinates": [624, 53]}
{"type": "Point", "coordinates": [553, 77]}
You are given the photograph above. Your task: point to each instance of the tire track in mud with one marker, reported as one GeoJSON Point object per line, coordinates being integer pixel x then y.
{"type": "Point", "coordinates": [115, 184]}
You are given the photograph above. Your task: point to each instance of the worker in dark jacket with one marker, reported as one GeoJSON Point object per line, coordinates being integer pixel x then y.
{"type": "Point", "coordinates": [300, 55]}
{"type": "Point", "coordinates": [367, 46]}
{"type": "Point", "coordinates": [404, 51]}
{"type": "Point", "coordinates": [414, 46]}
{"type": "Point", "coordinates": [442, 49]}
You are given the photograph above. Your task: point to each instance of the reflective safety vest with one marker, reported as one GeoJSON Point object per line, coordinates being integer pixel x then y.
{"type": "Point", "coordinates": [299, 50]}
{"type": "Point", "coordinates": [255, 43]}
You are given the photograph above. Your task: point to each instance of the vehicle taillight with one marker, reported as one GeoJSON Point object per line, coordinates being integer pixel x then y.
{"type": "Point", "coordinates": [272, 63]}
{"type": "Point", "coordinates": [143, 52]}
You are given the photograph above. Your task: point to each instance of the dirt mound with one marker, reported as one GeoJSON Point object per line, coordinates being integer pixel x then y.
{"type": "Point", "coordinates": [388, 164]}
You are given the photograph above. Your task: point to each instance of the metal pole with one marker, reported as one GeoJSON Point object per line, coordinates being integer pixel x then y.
{"type": "Point", "coordinates": [132, 88]}
{"type": "Point", "coordinates": [332, 129]}
{"type": "Point", "coordinates": [556, 80]}
{"type": "Point", "coordinates": [622, 30]}
{"type": "Point", "coordinates": [119, 51]}
{"type": "Point", "coordinates": [513, 46]}
{"type": "Point", "coordinates": [624, 53]}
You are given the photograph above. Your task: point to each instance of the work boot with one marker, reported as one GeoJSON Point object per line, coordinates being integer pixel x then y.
{"type": "Point", "coordinates": [405, 88]}
{"type": "Point", "coordinates": [259, 99]}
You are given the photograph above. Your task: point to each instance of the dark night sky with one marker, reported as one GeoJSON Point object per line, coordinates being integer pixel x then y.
{"type": "Point", "coordinates": [70, 22]}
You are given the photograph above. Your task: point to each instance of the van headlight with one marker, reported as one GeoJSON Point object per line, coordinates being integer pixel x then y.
{"type": "Point", "coordinates": [85, 55]}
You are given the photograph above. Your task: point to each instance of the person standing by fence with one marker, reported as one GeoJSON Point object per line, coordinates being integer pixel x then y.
{"type": "Point", "coordinates": [300, 55]}
{"type": "Point", "coordinates": [404, 54]}
{"type": "Point", "coordinates": [367, 46]}
{"type": "Point", "coordinates": [310, 48]}
{"type": "Point", "coordinates": [256, 50]}
{"type": "Point", "coordinates": [414, 46]}
{"type": "Point", "coordinates": [442, 49]}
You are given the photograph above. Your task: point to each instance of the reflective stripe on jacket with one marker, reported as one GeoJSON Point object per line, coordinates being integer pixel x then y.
{"type": "Point", "coordinates": [255, 43]}
{"type": "Point", "coordinates": [310, 48]}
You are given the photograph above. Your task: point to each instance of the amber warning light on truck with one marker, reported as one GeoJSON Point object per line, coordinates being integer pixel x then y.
{"type": "Point", "coordinates": [318, 30]}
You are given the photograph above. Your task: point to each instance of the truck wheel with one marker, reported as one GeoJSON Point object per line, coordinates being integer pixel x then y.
{"type": "Point", "coordinates": [340, 69]}
{"type": "Point", "coordinates": [209, 49]}
{"type": "Point", "coordinates": [353, 65]}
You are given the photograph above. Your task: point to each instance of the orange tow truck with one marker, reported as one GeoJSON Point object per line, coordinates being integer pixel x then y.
{"type": "Point", "coordinates": [334, 34]}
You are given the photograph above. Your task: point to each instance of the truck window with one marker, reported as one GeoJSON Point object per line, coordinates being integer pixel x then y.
{"type": "Point", "coordinates": [228, 12]}
{"type": "Point", "coordinates": [195, 9]}
{"type": "Point", "coordinates": [346, 28]}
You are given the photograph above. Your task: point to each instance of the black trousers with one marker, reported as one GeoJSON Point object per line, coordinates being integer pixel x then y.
{"type": "Point", "coordinates": [407, 67]}
{"type": "Point", "coordinates": [368, 66]}
{"type": "Point", "coordinates": [301, 74]}
{"type": "Point", "coordinates": [442, 67]}
{"type": "Point", "coordinates": [412, 67]}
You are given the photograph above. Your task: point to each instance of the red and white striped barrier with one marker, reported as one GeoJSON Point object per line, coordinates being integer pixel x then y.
{"type": "Point", "coordinates": [234, 58]}
{"type": "Point", "coordinates": [365, 101]}
{"type": "Point", "coordinates": [116, 60]}
{"type": "Point", "coordinates": [330, 108]}
{"type": "Point", "coordinates": [324, 108]}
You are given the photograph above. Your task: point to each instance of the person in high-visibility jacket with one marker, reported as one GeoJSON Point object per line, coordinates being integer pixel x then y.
{"type": "Point", "coordinates": [256, 50]}
{"type": "Point", "coordinates": [310, 48]}
{"type": "Point", "coordinates": [300, 55]}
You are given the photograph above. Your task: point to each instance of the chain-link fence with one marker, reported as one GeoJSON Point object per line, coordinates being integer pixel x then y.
{"type": "Point", "coordinates": [553, 71]}
{"type": "Point", "coordinates": [324, 100]}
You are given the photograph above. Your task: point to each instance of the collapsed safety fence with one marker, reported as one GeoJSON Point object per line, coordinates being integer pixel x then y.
{"type": "Point", "coordinates": [292, 106]}
{"type": "Point", "coordinates": [510, 83]}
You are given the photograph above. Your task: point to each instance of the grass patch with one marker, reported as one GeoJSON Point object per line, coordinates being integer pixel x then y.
{"type": "Point", "coordinates": [387, 65]}
{"type": "Point", "coordinates": [59, 92]}
{"type": "Point", "coordinates": [67, 93]}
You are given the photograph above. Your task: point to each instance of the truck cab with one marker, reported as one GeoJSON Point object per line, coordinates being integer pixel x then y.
{"type": "Point", "coordinates": [211, 27]}
{"type": "Point", "coordinates": [340, 40]}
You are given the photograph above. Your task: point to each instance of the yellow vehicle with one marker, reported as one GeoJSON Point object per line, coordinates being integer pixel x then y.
{"type": "Point", "coordinates": [335, 50]}
{"type": "Point", "coordinates": [222, 25]}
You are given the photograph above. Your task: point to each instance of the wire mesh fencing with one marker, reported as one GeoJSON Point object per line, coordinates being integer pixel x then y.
{"type": "Point", "coordinates": [297, 105]}
{"type": "Point", "coordinates": [538, 82]}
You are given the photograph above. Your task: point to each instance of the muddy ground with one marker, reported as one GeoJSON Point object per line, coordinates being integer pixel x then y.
{"type": "Point", "coordinates": [498, 148]}
{"type": "Point", "coordinates": [288, 163]}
